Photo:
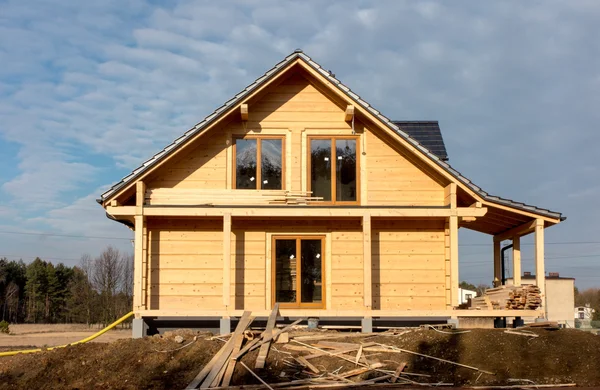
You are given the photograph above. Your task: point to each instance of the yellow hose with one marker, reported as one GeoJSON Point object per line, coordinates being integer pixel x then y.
{"type": "Point", "coordinates": [85, 340]}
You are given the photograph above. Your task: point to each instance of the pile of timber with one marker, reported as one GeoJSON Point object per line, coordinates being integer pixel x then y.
{"type": "Point", "coordinates": [294, 355]}
{"type": "Point", "coordinates": [509, 297]}
{"type": "Point", "coordinates": [197, 197]}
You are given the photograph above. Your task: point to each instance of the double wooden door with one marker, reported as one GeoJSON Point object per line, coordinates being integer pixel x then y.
{"type": "Point", "coordinates": [298, 265]}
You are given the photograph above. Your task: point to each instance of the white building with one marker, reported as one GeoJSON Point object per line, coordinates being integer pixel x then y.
{"type": "Point", "coordinates": [584, 314]}
{"type": "Point", "coordinates": [464, 295]}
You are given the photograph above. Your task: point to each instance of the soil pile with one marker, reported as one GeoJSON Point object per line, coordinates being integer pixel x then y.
{"type": "Point", "coordinates": [159, 362]}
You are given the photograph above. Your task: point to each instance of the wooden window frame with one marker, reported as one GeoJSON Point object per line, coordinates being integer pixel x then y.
{"type": "Point", "coordinates": [258, 139]}
{"type": "Point", "coordinates": [333, 139]}
{"type": "Point", "coordinates": [298, 304]}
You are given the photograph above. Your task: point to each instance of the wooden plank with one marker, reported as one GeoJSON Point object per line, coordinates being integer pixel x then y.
{"type": "Point", "coordinates": [367, 274]}
{"type": "Point", "coordinates": [398, 371]}
{"type": "Point", "coordinates": [264, 349]}
{"type": "Point", "coordinates": [264, 339]}
{"type": "Point", "coordinates": [307, 364]}
{"type": "Point", "coordinates": [138, 263]}
{"type": "Point", "coordinates": [244, 322]}
{"type": "Point", "coordinates": [239, 338]}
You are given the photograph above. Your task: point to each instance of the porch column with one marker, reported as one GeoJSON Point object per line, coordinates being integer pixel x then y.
{"type": "Point", "coordinates": [227, 260]}
{"type": "Point", "coordinates": [540, 270]}
{"type": "Point", "coordinates": [138, 252]}
{"type": "Point", "coordinates": [516, 255]}
{"type": "Point", "coordinates": [497, 261]}
{"type": "Point", "coordinates": [367, 262]}
{"type": "Point", "coordinates": [454, 260]}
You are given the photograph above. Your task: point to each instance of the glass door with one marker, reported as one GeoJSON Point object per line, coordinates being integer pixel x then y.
{"type": "Point", "coordinates": [298, 264]}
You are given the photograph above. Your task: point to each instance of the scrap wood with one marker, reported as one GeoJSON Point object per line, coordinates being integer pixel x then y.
{"type": "Point", "coordinates": [334, 336]}
{"type": "Point", "coordinates": [358, 371]}
{"type": "Point", "coordinates": [256, 376]}
{"type": "Point", "coordinates": [339, 351]}
{"type": "Point", "coordinates": [283, 338]}
{"type": "Point", "coordinates": [335, 344]}
{"type": "Point", "coordinates": [392, 348]}
{"type": "Point", "coordinates": [264, 349]}
{"type": "Point", "coordinates": [358, 354]}
{"type": "Point", "coordinates": [221, 356]}
{"type": "Point", "coordinates": [398, 371]}
{"type": "Point", "coordinates": [522, 386]}
{"type": "Point", "coordinates": [217, 370]}
{"type": "Point", "coordinates": [307, 364]}
{"type": "Point", "coordinates": [237, 345]}
{"type": "Point", "coordinates": [522, 333]}
{"type": "Point", "coordinates": [258, 342]}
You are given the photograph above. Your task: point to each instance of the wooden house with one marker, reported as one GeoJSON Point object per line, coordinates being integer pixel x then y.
{"type": "Point", "coordinates": [298, 191]}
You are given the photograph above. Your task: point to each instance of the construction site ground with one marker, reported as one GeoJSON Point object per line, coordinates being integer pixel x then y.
{"type": "Point", "coordinates": [160, 362]}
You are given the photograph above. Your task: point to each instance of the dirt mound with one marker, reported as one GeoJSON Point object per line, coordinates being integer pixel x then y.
{"type": "Point", "coordinates": [562, 356]}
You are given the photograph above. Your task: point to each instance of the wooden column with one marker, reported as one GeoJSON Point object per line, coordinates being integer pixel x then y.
{"type": "Point", "coordinates": [540, 270]}
{"type": "Point", "coordinates": [516, 255]}
{"type": "Point", "coordinates": [453, 224]}
{"type": "Point", "coordinates": [367, 262]}
{"type": "Point", "coordinates": [497, 262]}
{"type": "Point", "coordinates": [138, 252]}
{"type": "Point", "coordinates": [227, 260]}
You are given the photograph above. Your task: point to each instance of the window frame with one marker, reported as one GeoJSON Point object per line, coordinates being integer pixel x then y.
{"type": "Point", "coordinates": [333, 139]}
{"type": "Point", "coordinates": [258, 139]}
{"type": "Point", "coordinates": [298, 304]}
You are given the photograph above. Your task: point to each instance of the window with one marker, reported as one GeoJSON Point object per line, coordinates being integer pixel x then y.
{"type": "Point", "coordinates": [298, 264]}
{"type": "Point", "coordinates": [258, 163]}
{"type": "Point", "coordinates": [333, 168]}
{"type": "Point", "coordinates": [582, 316]}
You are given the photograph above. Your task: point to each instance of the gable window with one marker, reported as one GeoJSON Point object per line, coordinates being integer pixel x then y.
{"type": "Point", "coordinates": [333, 169]}
{"type": "Point", "coordinates": [258, 163]}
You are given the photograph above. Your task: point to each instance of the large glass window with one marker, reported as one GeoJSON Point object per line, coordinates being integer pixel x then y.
{"type": "Point", "coordinates": [258, 163]}
{"type": "Point", "coordinates": [298, 271]}
{"type": "Point", "coordinates": [333, 169]}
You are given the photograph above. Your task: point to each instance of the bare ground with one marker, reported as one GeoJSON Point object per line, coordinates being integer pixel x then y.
{"type": "Point", "coordinates": [40, 335]}
{"type": "Point", "coordinates": [562, 356]}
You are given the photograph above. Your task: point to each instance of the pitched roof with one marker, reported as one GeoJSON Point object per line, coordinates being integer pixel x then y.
{"type": "Point", "coordinates": [427, 133]}
{"type": "Point", "coordinates": [299, 55]}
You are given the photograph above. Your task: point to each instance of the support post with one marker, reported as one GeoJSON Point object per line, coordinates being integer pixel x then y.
{"type": "Point", "coordinates": [366, 325]}
{"type": "Point", "coordinates": [516, 260]}
{"type": "Point", "coordinates": [540, 270]}
{"type": "Point", "coordinates": [139, 328]}
{"type": "Point", "coordinates": [225, 325]}
{"type": "Point", "coordinates": [453, 224]}
{"type": "Point", "coordinates": [367, 262]}
{"type": "Point", "coordinates": [227, 260]}
{"type": "Point", "coordinates": [138, 252]}
{"type": "Point", "coordinates": [497, 262]}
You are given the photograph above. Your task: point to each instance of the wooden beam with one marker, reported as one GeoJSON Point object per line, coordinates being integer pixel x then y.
{"type": "Point", "coordinates": [140, 194]}
{"type": "Point", "coordinates": [138, 264]}
{"type": "Point", "coordinates": [540, 269]}
{"type": "Point", "coordinates": [521, 230]}
{"type": "Point", "coordinates": [453, 224]}
{"type": "Point", "coordinates": [349, 114]}
{"type": "Point", "coordinates": [297, 211]}
{"type": "Point", "coordinates": [497, 261]}
{"type": "Point", "coordinates": [468, 219]}
{"type": "Point", "coordinates": [450, 195]}
{"type": "Point", "coordinates": [244, 111]}
{"type": "Point", "coordinates": [476, 204]}
{"type": "Point", "coordinates": [305, 313]}
{"type": "Point", "coordinates": [226, 259]}
{"type": "Point", "coordinates": [367, 277]}
{"type": "Point", "coordinates": [516, 260]}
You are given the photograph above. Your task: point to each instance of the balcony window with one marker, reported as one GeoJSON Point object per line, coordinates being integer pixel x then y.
{"type": "Point", "coordinates": [333, 169]}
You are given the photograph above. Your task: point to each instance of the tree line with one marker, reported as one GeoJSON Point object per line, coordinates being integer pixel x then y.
{"type": "Point", "coordinates": [98, 290]}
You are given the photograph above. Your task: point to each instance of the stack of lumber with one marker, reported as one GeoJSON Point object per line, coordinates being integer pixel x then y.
{"type": "Point", "coordinates": [196, 197]}
{"type": "Point", "coordinates": [509, 297]}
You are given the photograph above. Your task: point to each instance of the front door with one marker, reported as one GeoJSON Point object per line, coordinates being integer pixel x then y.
{"type": "Point", "coordinates": [298, 264]}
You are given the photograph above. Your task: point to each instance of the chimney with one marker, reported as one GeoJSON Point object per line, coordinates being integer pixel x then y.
{"type": "Point", "coordinates": [526, 274]}
{"type": "Point", "coordinates": [554, 275]}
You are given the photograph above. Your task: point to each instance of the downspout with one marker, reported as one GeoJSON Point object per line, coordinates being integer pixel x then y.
{"type": "Point", "coordinates": [503, 262]}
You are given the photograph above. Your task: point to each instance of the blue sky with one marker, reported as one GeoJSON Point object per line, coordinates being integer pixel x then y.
{"type": "Point", "coordinates": [88, 90]}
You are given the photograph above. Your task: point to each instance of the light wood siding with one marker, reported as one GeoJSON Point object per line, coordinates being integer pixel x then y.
{"type": "Point", "coordinates": [204, 166]}
{"type": "Point", "coordinates": [394, 179]}
{"type": "Point", "coordinates": [409, 265]}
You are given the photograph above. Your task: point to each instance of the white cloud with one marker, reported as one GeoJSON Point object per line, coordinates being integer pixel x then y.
{"type": "Point", "coordinates": [114, 82]}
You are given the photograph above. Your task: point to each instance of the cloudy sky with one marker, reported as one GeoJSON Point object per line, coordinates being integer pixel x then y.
{"type": "Point", "coordinates": [88, 90]}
